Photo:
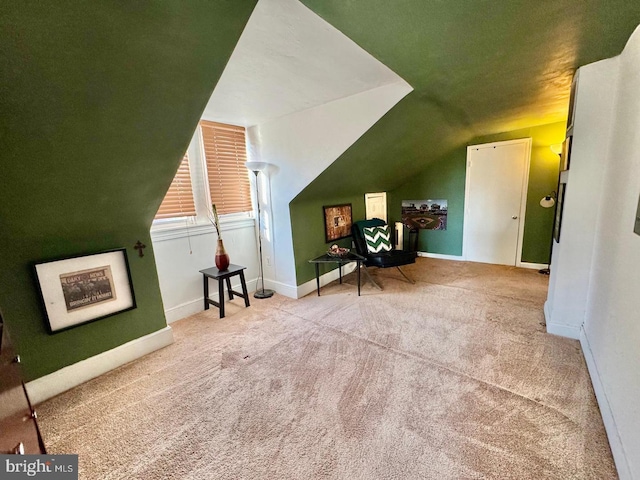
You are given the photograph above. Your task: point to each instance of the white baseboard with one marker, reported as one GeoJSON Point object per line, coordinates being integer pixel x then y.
{"type": "Point", "coordinates": [547, 313]}
{"type": "Point", "coordinates": [71, 376]}
{"type": "Point", "coordinates": [563, 330]}
{"type": "Point", "coordinates": [617, 448]}
{"type": "Point", "coordinates": [441, 256]}
{"type": "Point", "coordinates": [299, 291]}
{"type": "Point", "coordinates": [311, 286]}
{"type": "Point", "coordinates": [533, 266]}
{"type": "Point", "coordinates": [184, 310]}
{"type": "Point", "coordinates": [196, 305]}
{"type": "Point", "coordinates": [281, 288]}
{"type": "Point", "coordinates": [460, 258]}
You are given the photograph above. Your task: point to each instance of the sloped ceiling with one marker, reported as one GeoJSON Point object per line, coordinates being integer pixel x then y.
{"type": "Point", "coordinates": [477, 67]}
{"type": "Point", "coordinates": [98, 101]}
{"type": "Point", "coordinates": [289, 60]}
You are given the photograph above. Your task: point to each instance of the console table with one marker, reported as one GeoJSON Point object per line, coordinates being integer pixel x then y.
{"type": "Point", "coordinates": [348, 258]}
{"type": "Point", "coordinates": [223, 276]}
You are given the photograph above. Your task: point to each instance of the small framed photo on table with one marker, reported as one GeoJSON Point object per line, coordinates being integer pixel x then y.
{"type": "Point", "coordinates": [82, 289]}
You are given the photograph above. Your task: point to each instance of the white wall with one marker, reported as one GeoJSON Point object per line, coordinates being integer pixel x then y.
{"type": "Point", "coordinates": [571, 258]}
{"type": "Point", "coordinates": [179, 265]}
{"type": "Point", "coordinates": [612, 323]}
{"type": "Point", "coordinates": [300, 146]}
{"type": "Point", "coordinates": [182, 249]}
{"type": "Point", "coordinates": [608, 277]}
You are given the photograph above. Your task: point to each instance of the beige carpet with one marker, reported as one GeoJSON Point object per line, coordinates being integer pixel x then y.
{"type": "Point", "coordinates": [451, 378]}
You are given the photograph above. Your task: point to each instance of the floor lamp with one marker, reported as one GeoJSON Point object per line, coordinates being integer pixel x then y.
{"type": "Point", "coordinates": [256, 168]}
{"type": "Point", "coordinates": [548, 201]}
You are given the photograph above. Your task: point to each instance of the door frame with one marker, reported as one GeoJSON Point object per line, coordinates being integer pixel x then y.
{"type": "Point", "coordinates": [523, 198]}
{"type": "Point", "coordinates": [375, 194]}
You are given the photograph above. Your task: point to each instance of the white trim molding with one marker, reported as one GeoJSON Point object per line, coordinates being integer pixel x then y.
{"type": "Point", "coordinates": [196, 305]}
{"type": "Point", "coordinates": [49, 386]}
{"type": "Point", "coordinates": [311, 286]}
{"type": "Point", "coordinates": [617, 448]}
{"type": "Point", "coordinates": [568, 331]}
{"type": "Point", "coordinates": [184, 310]}
{"type": "Point", "coordinates": [534, 266]}
{"type": "Point", "coordinates": [181, 229]}
{"type": "Point", "coordinates": [557, 328]}
{"type": "Point", "coordinates": [441, 256]}
{"type": "Point", "coordinates": [547, 313]}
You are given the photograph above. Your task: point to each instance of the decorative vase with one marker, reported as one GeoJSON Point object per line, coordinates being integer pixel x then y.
{"type": "Point", "coordinates": [222, 258]}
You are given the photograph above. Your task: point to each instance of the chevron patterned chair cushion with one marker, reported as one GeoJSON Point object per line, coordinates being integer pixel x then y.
{"type": "Point", "coordinates": [378, 239]}
{"type": "Point", "coordinates": [384, 258]}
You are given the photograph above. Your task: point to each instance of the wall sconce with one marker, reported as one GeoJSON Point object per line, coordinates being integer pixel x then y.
{"type": "Point", "coordinates": [556, 148]}
{"type": "Point", "coordinates": [548, 201]}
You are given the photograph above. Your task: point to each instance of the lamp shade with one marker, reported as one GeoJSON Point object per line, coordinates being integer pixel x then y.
{"type": "Point", "coordinates": [256, 166]}
{"type": "Point", "coordinates": [556, 148]}
{"type": "Point", "coordinates": [547, 202]}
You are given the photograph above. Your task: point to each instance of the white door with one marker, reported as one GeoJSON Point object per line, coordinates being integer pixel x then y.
{"type": "Point", "coordinates": [495, 201]}
{"type": "Point", "coordinates": [376, 205]}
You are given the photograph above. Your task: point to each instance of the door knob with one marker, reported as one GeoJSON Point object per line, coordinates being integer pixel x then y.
{"type": "Point", "coordinates": [514, 217]}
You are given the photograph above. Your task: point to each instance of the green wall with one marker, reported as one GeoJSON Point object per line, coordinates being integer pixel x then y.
{"type": "Point", "coordinates": [446, 179]}
{"type": "Point", "coordinates": [99, 101]}
{"type": "Point", "coordinates": [307, 222]}
{"type": "Point", "coordinates": [477, 68]}
{"type": "Point", "coordinates": [443, 179]}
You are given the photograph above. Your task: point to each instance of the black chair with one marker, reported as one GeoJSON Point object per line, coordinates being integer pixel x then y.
{"type": "Point", "coordinates": [392, 258]}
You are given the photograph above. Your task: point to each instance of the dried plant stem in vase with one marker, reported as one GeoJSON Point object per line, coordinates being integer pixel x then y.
{"type": "Point", "coordinates": [222, 258]}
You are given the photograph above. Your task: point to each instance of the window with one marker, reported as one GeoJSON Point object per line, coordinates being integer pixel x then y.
{"type": "Point", "coordinates": [225, 154]}
{"type": "Point", "coordinates": [213, 171]}
{"type": "Point", "coordinates": [178, 202]}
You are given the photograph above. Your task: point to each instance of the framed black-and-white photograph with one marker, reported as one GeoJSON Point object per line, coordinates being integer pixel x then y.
{"type": "Point", "coordinates": [82, 289]}
{"type": "Point", "coordinates": [337, 222]}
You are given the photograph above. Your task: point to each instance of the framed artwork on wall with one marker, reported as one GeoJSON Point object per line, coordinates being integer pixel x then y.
{"type": "Point", "coordinates": [565, 157]}
{"type": "Point", "coordinates": [337, 222]}
{"type": "Point", "coordinates": [425, 214]}
{"type": "Point", "coordinates": [557, 222]}
{"type": "Point", "coordinates": [85, 288]}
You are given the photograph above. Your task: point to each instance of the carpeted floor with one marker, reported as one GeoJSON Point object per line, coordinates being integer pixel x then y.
{"type": "Point", "coordinates": [451, 378]}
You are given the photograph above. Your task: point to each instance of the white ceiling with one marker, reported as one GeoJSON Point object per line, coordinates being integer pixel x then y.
{"type": "Point", "coordinates": [287, 60]}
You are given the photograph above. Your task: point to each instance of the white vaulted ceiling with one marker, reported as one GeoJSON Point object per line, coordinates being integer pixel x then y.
{"type": "Point", "coordinates": [287, 60]}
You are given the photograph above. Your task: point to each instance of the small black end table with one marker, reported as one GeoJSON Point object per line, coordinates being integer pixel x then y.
{"type": "Point", "coordinates": [348, 258]}
{"type": "Point", "coordinates": [223, 276]}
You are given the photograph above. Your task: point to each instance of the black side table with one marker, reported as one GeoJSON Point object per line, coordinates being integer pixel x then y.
{"type": "Point", "coordinates": [225, 275]}
{"type": "Point", "coordinates": [348, 258]}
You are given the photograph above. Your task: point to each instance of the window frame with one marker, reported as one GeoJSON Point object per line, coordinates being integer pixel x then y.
{"type": "Point", "coordinates": [178, 227]}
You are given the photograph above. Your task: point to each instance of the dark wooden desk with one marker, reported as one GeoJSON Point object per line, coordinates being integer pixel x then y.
{"type": "Point", "coordinates": [348, 258]}
{"type": "Point", "coordinates": [222, 277]}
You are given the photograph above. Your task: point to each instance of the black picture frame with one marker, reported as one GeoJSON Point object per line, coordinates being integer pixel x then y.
{"type": "Point", "coordinates": [565, 157]}
{"type": "Point", "coordinates": [84, 288]}
{"type": "Point", "coordinates": [557, 222]}
{"type": "Point", "coordinates": [337, 222]}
